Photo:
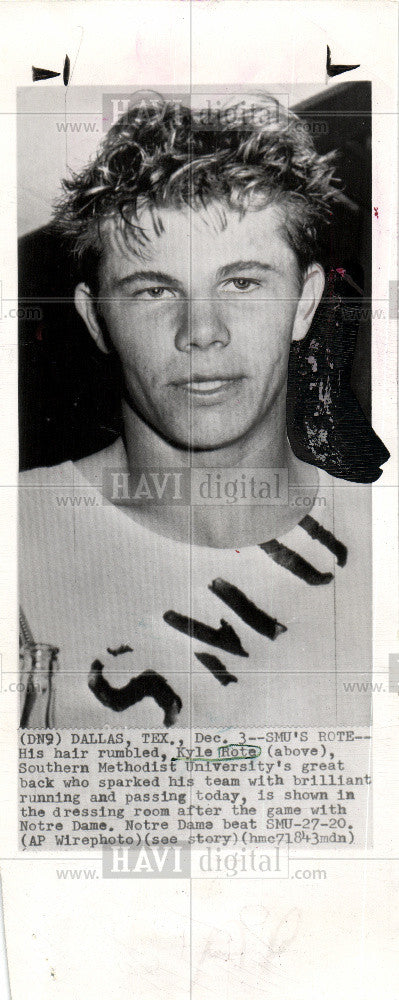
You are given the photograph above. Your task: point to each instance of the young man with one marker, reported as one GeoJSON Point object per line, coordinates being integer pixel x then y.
{"type": "Point", "coordinates": [197, 571]}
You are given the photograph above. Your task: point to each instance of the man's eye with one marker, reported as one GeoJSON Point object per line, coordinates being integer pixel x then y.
{"type": "Point", "coordinates": [242, 284]}
{"type": "Point", "coordinates": [155, 292]}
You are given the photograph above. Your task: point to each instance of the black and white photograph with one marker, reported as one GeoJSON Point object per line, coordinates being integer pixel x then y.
{"type": "Point", "coordinates": [199, 631]}
{"type": "Point", "coordinates": [195, 400]}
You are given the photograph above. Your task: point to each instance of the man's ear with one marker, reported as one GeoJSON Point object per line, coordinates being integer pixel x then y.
{"type": "Point", "coordinates": [86, 307]}
{"type": "Point", "coordinates": [312, 290]}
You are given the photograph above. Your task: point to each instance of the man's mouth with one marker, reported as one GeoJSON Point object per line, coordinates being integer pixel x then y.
{"type": "Point", "coordinates": [215, 385]}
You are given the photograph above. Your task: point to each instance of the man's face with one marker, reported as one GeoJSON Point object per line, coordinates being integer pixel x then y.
{"type": "Point", "coordinates": [203, 326]}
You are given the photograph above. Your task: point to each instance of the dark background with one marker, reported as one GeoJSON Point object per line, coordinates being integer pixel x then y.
{"type": "Point", "coordinates": [69, 391]}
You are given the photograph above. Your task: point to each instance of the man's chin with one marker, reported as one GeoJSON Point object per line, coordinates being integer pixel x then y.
{"type": "Point", "coordinates": [212, 436]}
{"type": "Point", "coordinates": [205, 442]}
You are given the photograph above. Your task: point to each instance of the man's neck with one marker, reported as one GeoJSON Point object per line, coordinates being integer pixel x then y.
{"type": "Point", "coordinates": [228, 525]}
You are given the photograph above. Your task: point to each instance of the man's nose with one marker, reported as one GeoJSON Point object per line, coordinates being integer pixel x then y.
{"type": "Point", "coordinates": [202, 326]}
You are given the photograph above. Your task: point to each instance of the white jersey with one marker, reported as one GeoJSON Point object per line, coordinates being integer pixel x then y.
{"type": "Point", "coordinates": [153, 631]}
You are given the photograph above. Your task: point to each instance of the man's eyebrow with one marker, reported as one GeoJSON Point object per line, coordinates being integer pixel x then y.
{"type": "Point", "coordinates": [163, 278]}
{"type": "Point", "coordinates": [158, 277]}
{"type": "Point", "coordinates": [243, 265]}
